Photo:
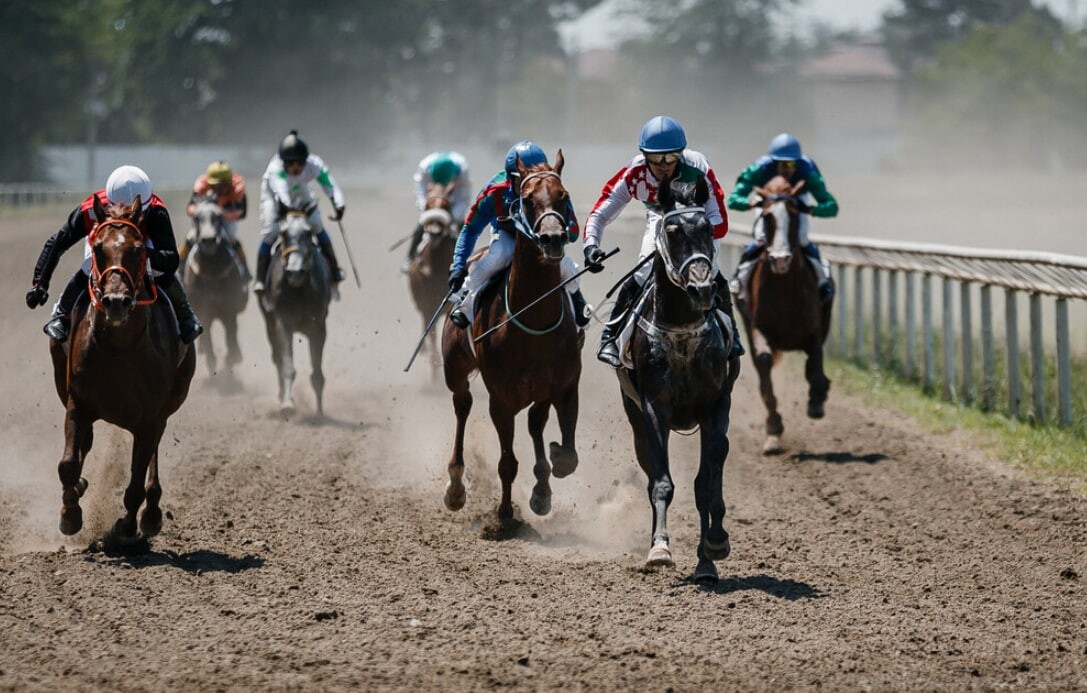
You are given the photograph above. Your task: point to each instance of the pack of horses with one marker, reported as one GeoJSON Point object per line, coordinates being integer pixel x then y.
{"type": "Point", "coordinates": [523, 342]}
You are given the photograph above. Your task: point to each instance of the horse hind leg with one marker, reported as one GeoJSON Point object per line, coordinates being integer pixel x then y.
{"type": "Point", "coordinates": [818, 383]}
{"type": "Point", "coordinates": [764, 363]}
{"type": "Point", "coordinates": [540, 502]}
{"type": "Point", "coordinates": [507, 464]}
{"type": "Point", "coordinates": [144, 445]}
{"type": "Point", "coordinates": [564, 459]}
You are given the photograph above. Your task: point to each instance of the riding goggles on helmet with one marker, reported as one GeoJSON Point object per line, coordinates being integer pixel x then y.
{"type": "Point", "coordinates": [665, 159]}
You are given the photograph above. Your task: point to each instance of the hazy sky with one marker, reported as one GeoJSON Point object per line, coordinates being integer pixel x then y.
{"type": "Point", "coordinates": [598, 29]}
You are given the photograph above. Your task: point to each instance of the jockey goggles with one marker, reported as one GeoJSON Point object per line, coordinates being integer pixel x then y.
{"type": "Point", "coordinates": [665, 159]}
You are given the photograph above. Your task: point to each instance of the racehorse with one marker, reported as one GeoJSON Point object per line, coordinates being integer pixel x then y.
{"type": "Point", "coordinates": [299, 290]}
{"type": "Point", "coordinates": [124, 364]}
{"type": "Point", "coordinates": [533, 360]}
{"type": "Point", "coordinates": [216, 287]}
{"type": "Point", "coordinates": [427, 275]}
{"type": "Point", "coordinates": [784, 311]}
{"type": "Point", "coordinates": [682, 377]}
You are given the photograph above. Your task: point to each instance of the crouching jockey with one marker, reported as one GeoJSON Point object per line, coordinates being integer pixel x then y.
{"type": "Point", "coordinates": [663, 155]}
{"type": "Point", "coordinates": [493, 206]}
{"type": "Point", "coordinates": [124, 185]}
{"type": "Point", "coordinates": [441, 169]}
{"type": "Point", "coordinates": [227, 188]}
{"type": "Point", "coordinates": [287, 180]}
{"type": "Point", "coordinates": [784, 159]}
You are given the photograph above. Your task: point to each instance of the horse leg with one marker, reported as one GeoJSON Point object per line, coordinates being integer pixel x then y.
{"type": "Point", "coordinates": [151, 518]}
{"type": "Point", "coordinates": [233, 349]}
{"type": "Point", "coordinates": [144, 443]}
{"type": "Point", "coordinates": [818, 383]}
{"type": "Point", "coordinates": [285, 368]}
{"type": "Point", "coordinates": [507, 463]}
{"type": "Point", "coordinates": [454, 491]}
{"type": "Point", "coordinates": [316, 356]}
{"type": "Point", "coordinates": [713, 542]}
{"type": "Point", "coordinates": [651, 446]}
{"type": "Point", "coordinates": [763, 356]}
{"type": "Point", "coordinates": [78, 435]}
{"type": "Point", "coordinates": [206, 349]}
{"type": "Point", "coordinates": [564, 457]}
{"type": "Point", "coordinates": [540, 502]}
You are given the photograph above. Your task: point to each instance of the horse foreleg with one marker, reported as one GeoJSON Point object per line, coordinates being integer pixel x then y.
{"type": "Point", "coordinates": [206, 349]}
{"type": "Point", "coordinates": [507, 463]}
{"type": "Point", "coordinates": [540, 502]}
{"type": "Point", "coordinates": [564, 458]}
{"type": "Point", "coordinates": [144, 443]}
{"type": "Point", "coordinates": [78, 435]}
{"type": "Point", "coordinates": [454, 490]}
{"type": "Point", "coordinates": [713, 542]}
{"type": "Point", "coordinates": [233, 349]}
{"type": "Point", "coordinates": [151, 518]}
{"type": "Point", "coordinates": [818, 383]}
{"type": "Point", "coordinates": [763, 356]}
{"type": "Point", "coordinates": [285, 369]}
{"type": "Point", "coordinates": [316, 356]}
{"type": "Point", "coordinates": [656, 418]}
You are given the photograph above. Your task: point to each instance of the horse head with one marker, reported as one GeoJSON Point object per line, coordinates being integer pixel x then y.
{"type": "Point", "coordinates": [437, 216]}
{"type": "Point", "coordinates": [685, 239]}
{"type": "Point", "coordinates": [543, 210]}
{"type": "Point", "coordinates": [118, 261]}
{"type": "Point", "coordinates": [297, 244]}
{"type": "Point", "coordinates": [780, 209]}
{"type": "Point", "coordinates": [208, 221]}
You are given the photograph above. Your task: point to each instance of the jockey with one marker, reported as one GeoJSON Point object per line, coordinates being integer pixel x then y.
{"type": "Point", "coordinates": [124, 185]}
{"type": "Point", "coordinates": [228, 189]}
{"type": "Point", "coordinates": [785, 159]}
{"type": "Point", "coordinates": [492, 206]}
{"type": "Point", "coordinates": [286, 181]}
{"type": "Point", "coordinates": [663, 154]}
{"type": "Point", "coordinates": [439, 168]}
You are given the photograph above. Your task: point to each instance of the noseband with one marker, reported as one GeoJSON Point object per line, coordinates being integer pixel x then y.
{"type": "Point", "coordinates": [520, 220]}
{"type": "Point", "coordinates": [675, 274]}
{"type": "Point", "coordinates": [97, 276]}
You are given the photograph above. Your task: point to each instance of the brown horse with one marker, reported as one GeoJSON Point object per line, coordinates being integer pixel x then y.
{"type": "Point", "coordinates": [784, 312]}
{"type": "Point", "coordinates": [531, 361]}
{"type": "Point", "coordinates": [427, 276]}
{"type": "Point", "coordinates": [124, 364]}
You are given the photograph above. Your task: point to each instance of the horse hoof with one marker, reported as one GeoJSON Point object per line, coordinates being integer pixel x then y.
{"type": "Point", "coordinates": [716, 551]}
{"type": "Point", "coordinates": [71, 519]}
{"type": "Point", "coordinates": [660, 556]}
{"type": "Point", "coordinates": [772, 446]}
{"type": "Point", "coordinates": [151, 522]}
{"type": "Point", "coordinates": [706, 571]}
{"type": "Point", "coordinates": [815, 411]}
{"type": "Point", "coordinates": [563, 461]}
{"type": "Point", "coordinates": [454, 497]}
{"type": "Point", "coordinates": [540, 504]}
{"type": "Point", "coordinates": [287, 409]}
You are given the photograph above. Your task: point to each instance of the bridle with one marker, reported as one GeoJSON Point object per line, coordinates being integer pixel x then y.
{"type": "Point", "coordinates": [98, 275]}
{"type": "Point", "coordinates": [520, 219]}
{"type": "Point", "coordinates": [675, 274]}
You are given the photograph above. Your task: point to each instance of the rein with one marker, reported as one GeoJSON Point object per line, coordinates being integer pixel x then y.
{"type": "Point", "coordinates": [97, 274]}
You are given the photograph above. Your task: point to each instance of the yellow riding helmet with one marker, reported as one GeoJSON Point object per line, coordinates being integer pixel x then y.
{"type": "Point", "coordinates": [219, 172]}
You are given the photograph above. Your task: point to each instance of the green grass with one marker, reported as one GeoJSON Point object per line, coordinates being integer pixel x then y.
{"type": "Point", "coordinates": [1045, 452]}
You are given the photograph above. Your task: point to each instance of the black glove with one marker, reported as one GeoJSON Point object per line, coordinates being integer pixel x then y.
{"type": "Point", "coordinates": [456, 279]}
{"type": "Point", "coordinates": [337, 213]}
{"type": "Point", "coordinates": [802, 206]}
{"type": "Point", "coordinates": [36, 297]}
{"type": "Point", "coordinates": [594, 258]}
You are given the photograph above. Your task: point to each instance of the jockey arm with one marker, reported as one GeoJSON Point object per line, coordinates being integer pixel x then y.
{"type": "Point", "coordinates": [163, 255]}
{"type": "Point", "coordinates": [825, 204]}
{"type": "Point", "coordinates": [235, 204]}
{"type": "Point", "coordinates": [328, 184]}
{"type": "Point", "coordinates": [487, 209]}
{"type": "Point", "coordinates": [613, 198]}
{"type": "Point", "coordinates": [73, 231]}
{"type": "Point", "coordinates": [750, 177]}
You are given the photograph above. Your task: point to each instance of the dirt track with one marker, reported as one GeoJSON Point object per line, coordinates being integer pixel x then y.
{"type": "Point", "coordinates": [872, 555]}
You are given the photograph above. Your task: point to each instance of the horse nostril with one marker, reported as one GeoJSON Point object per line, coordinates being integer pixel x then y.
{"type": "Point", "coordinates": [126, 302]}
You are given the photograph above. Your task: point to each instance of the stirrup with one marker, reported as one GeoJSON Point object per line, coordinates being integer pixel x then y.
{"type": "Point", "coordinates": [609, 353]}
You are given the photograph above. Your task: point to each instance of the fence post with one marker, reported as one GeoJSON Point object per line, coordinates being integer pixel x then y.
{"type": "Point", "coordinates": [966, 322]}
{"type": "Point", "coordinates": [910, 366]}
{"type": "Point", "coordinates": [949, 341]}
{"type": "Point", "coordinates": [858, 312]}
{"type": "Point", "coordinates": [1011, 337]}
{"type": "Point", "coordinates": [1037, 357]}
{"type": "Point", "coordinates": [928, 337]}
{"type": "Point", "coordinates": [988, 362]}
{"type": "Point", "coordinates": [877, 316]}
{"type": "Point", "coordinates": [1064, 364]}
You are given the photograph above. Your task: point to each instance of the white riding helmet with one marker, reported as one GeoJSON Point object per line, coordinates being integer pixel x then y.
{"type": "Point", "coordinates": [125, 183]}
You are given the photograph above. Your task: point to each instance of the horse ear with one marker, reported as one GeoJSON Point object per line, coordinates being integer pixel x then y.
{"type": "Point", "coordinates": [665, 196]}
{"type": "Point", "coordinates": [559, 162]}
{"type": "Point", "coordinates": [99, 210]}
{"type": "Point", "coordinates": [796, 188]}
{"type": "Point", "coordinates": [520, 165]}
{"type": "Point", "coordinates": [449, 188]}
{"type": "Point", "coordinates": [701, 191]}
{"type": "Point", "coordinates": [281, 210]}
{"type": "Point", "coordinates": [135, 211]}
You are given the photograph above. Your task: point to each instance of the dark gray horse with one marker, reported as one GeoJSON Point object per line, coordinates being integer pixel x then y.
{"type": "Point", "coordinates": [682, 376]}
{"type": "Point", "coordinates": [296, 300]}
{"type": "Point", "coordinates": [214, 281]}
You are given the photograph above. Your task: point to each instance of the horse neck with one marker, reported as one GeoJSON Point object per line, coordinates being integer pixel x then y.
{"type": "Point", "coordinates": [671, 304]}
{"type": "Point", "coordinates": [531, 277]}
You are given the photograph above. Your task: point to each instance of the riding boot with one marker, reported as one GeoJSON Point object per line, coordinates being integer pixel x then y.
{"type": "Point", "coordinates": [59, 321]}
{"type": "Point", "coordinates": [582, 310]}
{"type": "Point", "coordinates": [264, 258]}
{"type": "Point", "coordinates": [464, 311]}
{"type": "Point", "coordinates": [413, 248]}
{"type": "Point", "coordinates": [822, 271]}
{"type": "Point", "coordinates": [188, 324]}
{"type": "Point", "coordinates": [333, 264]}
{"type": "Point", "coordinates": [239, 259]}
{"type": "Point", "coordinates": [750, 253]}
{"type": "Point", "coordinates": [609, 350]}
{"type": "Point", "coordinates": [186, 249]}
{"type": "Point", "coordinates": [724, 304]}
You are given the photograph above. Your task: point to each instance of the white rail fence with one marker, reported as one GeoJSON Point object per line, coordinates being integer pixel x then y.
{"type": "Point", "coordinates": [896, 309]}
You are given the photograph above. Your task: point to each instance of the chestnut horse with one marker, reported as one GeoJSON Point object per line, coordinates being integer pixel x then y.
{"type": "Point", "coordinates": [784, 312]}
{"type": "Point", "coordinates": [533, 360]}
{"type": "Point", "coordinates": [429, 269]}
{"type": "Point", "coordinates": [214, 282]}
{"type": "Point", "coordinates": [124, 364]}
{"type": "Point", "coordinates": [296, 301]}
{"type": "Point", "coordinates": [682, 376]}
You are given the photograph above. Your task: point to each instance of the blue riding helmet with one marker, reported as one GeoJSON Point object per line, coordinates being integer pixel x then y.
{"type": "Point", "coordinates": [530, 154]}
{"type": "Point", "coordinates": [443, 170]}
{"type": "Point", "coordinates": [785, 147]}
{"type": "Point", "coordinates": [662, 134]}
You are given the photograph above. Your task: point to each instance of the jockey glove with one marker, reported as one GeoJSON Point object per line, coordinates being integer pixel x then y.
{"type": "Point", "coordinates": [36, 297]}
{"type": "Point", "coordinates": [594, 258]}
{"type": "Point", "coordinates": [456, 279]}
{"type": "Point", "coordinates": [337, 213]}
{"type": "Point", "coordinates": [802, 206]}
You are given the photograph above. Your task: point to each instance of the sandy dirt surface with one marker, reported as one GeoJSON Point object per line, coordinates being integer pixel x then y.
{"type": "Point", "coordinates": [871, 555]}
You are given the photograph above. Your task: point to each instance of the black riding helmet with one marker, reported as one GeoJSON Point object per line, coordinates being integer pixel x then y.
{"type": "Point", "coordinates": [292, 148]}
